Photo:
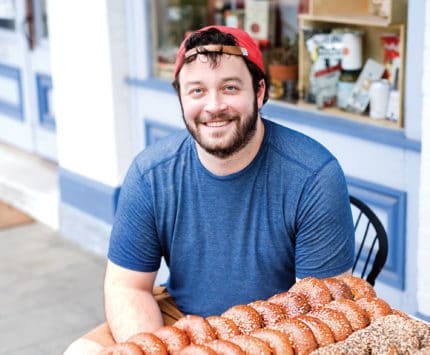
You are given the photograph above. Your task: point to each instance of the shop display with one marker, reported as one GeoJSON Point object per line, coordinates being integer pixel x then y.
{"type": "Point", "coordinates": [259, 20]}
{"type": "Point", "coordinates": [234, 18]}
{"type": "Point", "coordinates": [379, 92]}
{"type": "Point", "coordinates": [360, 98]}
{"type": "Point", "coordinates": [380, 12]}
{"type": "Point", "coordinates": [393, 107]}
{"type": "Point", "coordinates": [345, 85]}
{"type": "Point", "coordinates": [337, 77]}
{"type": "Point", "coordinates": [352, 50]}
{"type": "Point", "coordinates": [391, 48]}
{"type": "Point", "coordinates": [392, 62]}
{"type": "Point", "coordinates": [325, 51]}
{"type": "Point", "coordinates": [283, 72]}
{"type": "Point", "coordinates": [373, 31]}
{"type": "Point", "coordinates": [380, 8]}
{"type": "Point", "coordinates": [331, 316]}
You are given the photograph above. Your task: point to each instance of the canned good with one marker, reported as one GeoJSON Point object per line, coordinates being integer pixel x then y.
{"type": "Point", "coordinates": [352, 50]}
{"type": "Point", "coordinates": [378, 94]}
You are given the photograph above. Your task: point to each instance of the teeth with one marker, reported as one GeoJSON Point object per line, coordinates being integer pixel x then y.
{"type": "Point", "coordinates": [216, 123]}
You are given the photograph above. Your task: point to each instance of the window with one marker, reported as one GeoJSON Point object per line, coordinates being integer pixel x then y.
{"type": "Point", "coordinates": [319, 54]}
{"type": "Point", "coordinates": [173, 19]}
{"type": "Point", "coordinates": [269, 21]}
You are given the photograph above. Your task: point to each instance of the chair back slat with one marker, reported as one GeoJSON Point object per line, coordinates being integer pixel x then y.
{"type": "Point", "coordinates": [368, 257]}
{"type": "Point", "coordinates": [375, 258]}
{"type": "Point", "coordinates": [357, 221]}
{"type": "Point", "coordinates": [362, 243]}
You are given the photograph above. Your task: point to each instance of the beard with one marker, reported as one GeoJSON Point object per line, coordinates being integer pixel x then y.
{"type": "Point", "coordinates": [244, 131]}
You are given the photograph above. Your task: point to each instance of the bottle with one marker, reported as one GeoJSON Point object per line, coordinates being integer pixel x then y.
{"type": "Point", "coordinates": [378, 94]}
{"type": "Point", "coordinates": [352, 50]}
{"type": "Point", "coordinates": [393, 106]}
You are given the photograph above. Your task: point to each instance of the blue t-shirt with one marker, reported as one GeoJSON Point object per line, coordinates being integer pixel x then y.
{"type": "Point", "coordinates": [234, 239]}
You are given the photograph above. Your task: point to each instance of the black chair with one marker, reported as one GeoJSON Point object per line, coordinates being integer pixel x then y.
{"type": "Point", "coordinates": [372, 241]}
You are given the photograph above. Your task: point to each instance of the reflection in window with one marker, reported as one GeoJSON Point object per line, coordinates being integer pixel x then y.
{"type": "Point", "coordinates": [7, 15]}
{"type": "Point", "coordinates": [44, 19]}
{"type": "Point", "coordinates": [270, 23]}
{"type": "Point", "coordinates": [40, 19]}
{"type": "Point", "coordinates": [174, 19]}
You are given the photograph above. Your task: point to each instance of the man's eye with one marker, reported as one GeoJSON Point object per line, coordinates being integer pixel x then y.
{"type": "Point", "coordinates": [196, 91]}
{"type": "Point", "coordinates": [231, 88]}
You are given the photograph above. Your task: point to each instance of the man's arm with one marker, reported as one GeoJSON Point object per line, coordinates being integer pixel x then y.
{"type": "Point", "coordinates": [129, 304]}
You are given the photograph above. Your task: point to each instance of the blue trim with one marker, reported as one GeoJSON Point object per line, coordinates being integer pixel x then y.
{"type": "Point", "coordinates": [332, 123]}
{"type": "Point", "coordinates": [314, 118]}
{"type": "Point", "coordinates": [422, 316]}
{"type": "Point", "coordinates": [44, 85]}
{"type": "Point", "coordinates": [155, 130]}
{"type": "Point", "coordinates": [152, 83]}
{"type": "Point", "coordinates": [393, 203]}
{"type": "Point", "coordinates": [15, 111]}
{"type": "Point", "coordinates": [413, 64]}
{"type": "Point", "coordinates": [97, 199]}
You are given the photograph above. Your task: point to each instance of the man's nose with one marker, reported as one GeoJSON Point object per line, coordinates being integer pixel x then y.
{"type": "Point", "coordinates": [215, 103]}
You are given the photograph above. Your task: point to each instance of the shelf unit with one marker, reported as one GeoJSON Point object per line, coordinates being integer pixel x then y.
{"type": "Point", "coordinates": [354, 15]}
{"type": "Point", "coordinates": [360, 11]}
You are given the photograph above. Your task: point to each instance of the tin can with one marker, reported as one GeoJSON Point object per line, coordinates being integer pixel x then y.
{"type": "Point", "coordinates": [378, 94]}
{"type": "Point", "coordinates": [352, 50]}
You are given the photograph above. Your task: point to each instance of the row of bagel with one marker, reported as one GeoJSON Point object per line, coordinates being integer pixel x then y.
{"type": "Point", "coordinates": [313, 314]}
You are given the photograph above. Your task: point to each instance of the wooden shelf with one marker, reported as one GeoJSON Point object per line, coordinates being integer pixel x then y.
{"type": "Point", "coordinates": [360, 12]}
{"type": "Point", "coordinates": [372, 28]}
{"type": "Point", "coordinates": [361, 20]}
{"type": "Point", "coordinates": [334, 111]}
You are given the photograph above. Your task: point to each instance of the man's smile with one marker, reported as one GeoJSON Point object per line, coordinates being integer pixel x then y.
{"type": "Point", "coordinates": [217, 123]}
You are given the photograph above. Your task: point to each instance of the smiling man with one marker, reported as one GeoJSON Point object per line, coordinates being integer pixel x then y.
{"type": "Point", "coordinates": [239, 206]}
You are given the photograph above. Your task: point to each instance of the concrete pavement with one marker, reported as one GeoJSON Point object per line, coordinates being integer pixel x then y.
{"type": "Point", "coordinates": [50, 291]}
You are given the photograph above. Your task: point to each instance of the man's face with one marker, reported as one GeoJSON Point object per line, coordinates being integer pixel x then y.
{"type": "Point", "coordinates": [219, 106]}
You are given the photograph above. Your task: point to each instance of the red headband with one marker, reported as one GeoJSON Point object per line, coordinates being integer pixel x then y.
{"type": "Point", "coordinates": [246, 47]}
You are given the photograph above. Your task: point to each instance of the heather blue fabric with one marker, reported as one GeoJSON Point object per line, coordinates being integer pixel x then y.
{"type": "Point", "coordinates": [238, 238]}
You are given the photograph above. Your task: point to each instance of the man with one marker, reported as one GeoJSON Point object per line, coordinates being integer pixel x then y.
{"type": "Point", "coordinates": [238, 206]}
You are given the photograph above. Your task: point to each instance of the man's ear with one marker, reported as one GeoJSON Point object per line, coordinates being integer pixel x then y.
{"type": "Point", "coordinates": [260, 93]}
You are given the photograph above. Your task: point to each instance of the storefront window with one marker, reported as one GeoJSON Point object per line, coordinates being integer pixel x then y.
{"type": "Point", "coordinates": [267, 21]}
{"type": "Point", "coordinates": [174, 19]}
{"type": "Point", "coordinates": [321, 54]}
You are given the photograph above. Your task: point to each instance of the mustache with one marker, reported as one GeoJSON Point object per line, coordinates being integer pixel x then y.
{"type": "Point", "coordinates": [217, 116]}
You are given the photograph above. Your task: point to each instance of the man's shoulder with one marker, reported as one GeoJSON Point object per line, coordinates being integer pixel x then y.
{"type": "Point", "coordinates": [163, 150]}
{"type": "Point", "coordinates": [297, 147]}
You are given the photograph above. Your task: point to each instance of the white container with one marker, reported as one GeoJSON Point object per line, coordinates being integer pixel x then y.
{"type": "Point", "coordinates": [378, 93]}
{"type": "Point", "coordinates": [393, 107]}
{"type": "Point", "coordinates": [352, 50]}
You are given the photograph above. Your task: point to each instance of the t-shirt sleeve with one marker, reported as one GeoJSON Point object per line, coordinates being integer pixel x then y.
{"type": "Point", "coordinates": [325, 231]}
{"type": "Point", "coordinates": [134, 243]}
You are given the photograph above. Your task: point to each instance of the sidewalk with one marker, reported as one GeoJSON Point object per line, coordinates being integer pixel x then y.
{"type": "Point", "coordinates": [50, 291]}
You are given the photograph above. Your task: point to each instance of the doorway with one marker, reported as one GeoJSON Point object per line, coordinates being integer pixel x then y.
{"type": "Point", "coordinates": [27, 119]}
